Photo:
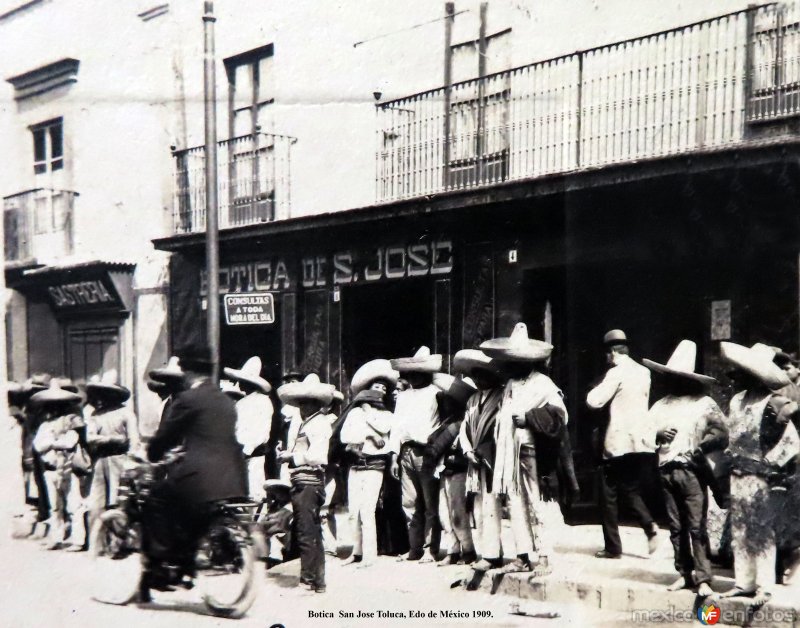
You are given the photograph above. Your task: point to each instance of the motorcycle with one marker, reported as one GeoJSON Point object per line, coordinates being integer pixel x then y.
{"type": "Point", "coordinates": [223, 567]}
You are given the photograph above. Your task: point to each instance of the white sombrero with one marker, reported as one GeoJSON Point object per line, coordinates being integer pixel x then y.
{"type": "Point", "coordinates": [108, 385]}
{"type": "Point", "coordinates": [309, 388]}
{"type": "Point", "coordinates": [371, 371]}
{"type": "Point", "coordinates": [455, 387]}
{"type": "Point", "coordinates": [55, 394]}
{"type": "Point", "coordinates": [423, 361]}
{"type": "Point", "coordinates": [682, 362]}
{"type": "Point", "coordinates": [518, 347]}
{"type": "Point", "coordinates": [756, 360]}
{"type": "Point", "coordinates": [170, 372]}
{"type": "Point", "coordinates": [251, 374]}
{"type": "Point", "coordinates": [467, 360]}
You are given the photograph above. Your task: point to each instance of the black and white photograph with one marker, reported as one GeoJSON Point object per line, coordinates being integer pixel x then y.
{"type": "Point", "coordinates": [366, 313]}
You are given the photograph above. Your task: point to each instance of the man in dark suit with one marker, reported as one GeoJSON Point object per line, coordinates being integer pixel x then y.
{"type": "Point", "coordinates": [202, 420]}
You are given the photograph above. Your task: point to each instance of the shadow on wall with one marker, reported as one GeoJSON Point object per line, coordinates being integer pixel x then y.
{"type": "Point", "coordinates": [149, 402]}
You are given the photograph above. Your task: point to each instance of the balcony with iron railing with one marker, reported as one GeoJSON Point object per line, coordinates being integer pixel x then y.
{"type": "Point", "coordinates": [704, 86]}
{"type": "Point", "coordinates": [38, 225]}
{"type": "Point", "coordinates": [254, 182]}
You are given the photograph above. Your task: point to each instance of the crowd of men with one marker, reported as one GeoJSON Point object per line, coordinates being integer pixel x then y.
{"type": "Point", "coordinates": [427, 464]}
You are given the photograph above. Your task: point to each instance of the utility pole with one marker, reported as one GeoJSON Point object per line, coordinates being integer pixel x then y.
{"type": "Point", "coordinates": [212, 202]}
{"type": "Point", "coordinates": [449, 10]}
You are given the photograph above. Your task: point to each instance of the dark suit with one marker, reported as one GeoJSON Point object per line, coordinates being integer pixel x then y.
{"type": "Point", "coordinates": [203, 419]}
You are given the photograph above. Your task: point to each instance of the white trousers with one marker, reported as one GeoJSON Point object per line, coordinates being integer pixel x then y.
{"type": "Point", "coordinates": [753, 533]}
{"type": "Point", "coordinates": [256, 478]}
{"type": "Point", "coordinates": [456, 532]}
{"type": "Point", "coordinates": [363, 490]}
{"type": "Point", "coordinates": [524, 510]}
{"type": "Point", "coordinates": [488, 517]}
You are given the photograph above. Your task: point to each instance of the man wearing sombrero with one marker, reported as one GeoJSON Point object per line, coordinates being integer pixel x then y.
{"type": "Point", "coordinates": [445, 457]}
{"type": "Point", "coordinates": [111, 431]}
{"type": "Point", "coordinates": [477, 441]}
{"type": "Point", "coordinates": [763, 441]}
{"type": "Point", "coordinates": [687, 424]}
{"type": "Point", "coordinates": [306, 455]}
{"type": "Point", "coordinates": [166, 381]}
{"type": "Point", "coordinates": [532, 404]}
{"type": "Point", "coordinates": [253, 423]}
{"type": "Point", "coordinates": [416, 417]}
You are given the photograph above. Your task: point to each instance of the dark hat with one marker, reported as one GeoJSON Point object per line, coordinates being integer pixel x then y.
{"type": "Point", "coordinates": [156, 386]}
{"type": "Point", "coordinates": [168, 373]}
{"type": "Point", "coordinates": [196, 357]}
{"type": "Point", "coordinates": [291, 374]}
{"type": "Point", "coordinates": [615, 337]}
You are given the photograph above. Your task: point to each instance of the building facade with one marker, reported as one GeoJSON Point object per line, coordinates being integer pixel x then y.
{"type": "Point", "coordinates": [392, 175]}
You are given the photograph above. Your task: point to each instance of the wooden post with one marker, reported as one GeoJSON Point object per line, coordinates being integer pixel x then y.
{"type": "Point", "coordinates": [212, 202]}
{"type": "Point", "coordinates": [449, 9]}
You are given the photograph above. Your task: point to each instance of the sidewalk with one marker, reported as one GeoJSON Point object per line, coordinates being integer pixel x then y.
{"type": "Point", "coordinates": [636, 583]}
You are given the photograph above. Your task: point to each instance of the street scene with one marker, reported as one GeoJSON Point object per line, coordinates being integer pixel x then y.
{"type": "Point", "coordinates": [374, 313]}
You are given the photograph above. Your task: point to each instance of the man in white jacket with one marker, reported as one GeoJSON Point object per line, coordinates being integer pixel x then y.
{"type": "Point", "coordinates": [626, 390]}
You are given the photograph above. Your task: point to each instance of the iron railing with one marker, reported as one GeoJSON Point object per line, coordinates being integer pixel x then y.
{"type": "Point", "coordinates": [38, 224]}
{"type": "Point", "coordinates": [254, 182]}
{"type": "Point", "coordinates": [700, 86]}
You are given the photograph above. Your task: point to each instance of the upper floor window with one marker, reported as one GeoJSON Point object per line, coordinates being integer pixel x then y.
{"type": "Point", "coordinates": [251, 89]}
{"type": "Point", "coordinates": [48, 146]}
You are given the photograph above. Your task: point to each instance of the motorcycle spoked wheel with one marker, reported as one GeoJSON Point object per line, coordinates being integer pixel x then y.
{"type": "Point", "coordinates": [114, 546]}
{"type": "Point", "coordinates": [225, 565]}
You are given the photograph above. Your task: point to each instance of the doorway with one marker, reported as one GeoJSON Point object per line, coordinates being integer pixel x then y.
{"type": "Point", "coordinates": [387, 320]}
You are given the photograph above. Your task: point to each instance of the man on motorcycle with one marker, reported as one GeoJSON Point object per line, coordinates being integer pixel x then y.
{"type": "Point", "coordinates": [202, 419]}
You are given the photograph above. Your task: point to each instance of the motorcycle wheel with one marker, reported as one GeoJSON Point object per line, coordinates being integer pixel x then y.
{"type": "Point", "coordinates": [114, 546]}
{"type": "Point", "coordinates": [226, 569]}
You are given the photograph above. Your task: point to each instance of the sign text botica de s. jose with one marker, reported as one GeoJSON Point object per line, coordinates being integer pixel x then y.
{"type": "Point", "coordinates": [250, 308]}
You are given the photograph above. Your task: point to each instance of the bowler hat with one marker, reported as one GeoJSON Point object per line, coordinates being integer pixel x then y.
{"type": "Point", "coordinates": [615, 337]}
{"type": "Point", "coordinates": [196, 357]}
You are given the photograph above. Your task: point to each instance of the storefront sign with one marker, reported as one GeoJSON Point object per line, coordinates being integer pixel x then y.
{"type": "Point", "coordinates": [720, 320]}
{"type": "Point", "coordinates": [249, 308]}
{"type": "Point", "coordinates": [390, 262]}
{"type": "Point", "coordinates": [420, 259]}
{"type": "Point", "coordinates": [82, 294]}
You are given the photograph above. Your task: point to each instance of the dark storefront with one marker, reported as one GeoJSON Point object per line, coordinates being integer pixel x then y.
{"type": "Point", "coordinates": [703, 248]}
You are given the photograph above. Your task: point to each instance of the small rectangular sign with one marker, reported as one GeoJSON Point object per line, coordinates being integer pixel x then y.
{"type": "Point", "coordinates": [249, 308]}
{"type": "Point", "coordinates": [720, 320]}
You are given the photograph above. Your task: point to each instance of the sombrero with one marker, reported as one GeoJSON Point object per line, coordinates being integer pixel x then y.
{"type": "Point", "coordinates": [36, 383]}
{"type": "Point", "coordinates": [250, 373]}
{"type": "Point", "coordinates": [682, 363]}
{"type": "Point", "coordinates": [467, 360]}
{"type": "Point", "coordinates": [168, 373]}
{"type": "Point", "coordinates": [338, 396]}
{"type": "Point", "coordinates": [421, 362]}
{"type": "Point", "coordinates": [615, 337]}
{"type": "Point", "coordinates": [155, 386]}
{"type": "Point", "coordinates": [757, 361]}
{"type": "Point", "coordinates": [108, 384]}
{"type": "Point", "coordinates": [458, 389]}
{"type": "Point", "coordinates": [231, 389]}
{"type": "Point", "coordinates": [517, 347]}
{"type": "Point", "coordinates": [15, 392]}
{"type": "Point", "coordinates": [309, 388]}
{"type": "Point", "coordinates": [55, 394]}
{"type": "Point", "coordinates": [783, 359]}
{"type": "Point", "coordinates": [371, 371]}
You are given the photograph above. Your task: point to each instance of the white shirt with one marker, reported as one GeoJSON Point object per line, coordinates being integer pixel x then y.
{"type": "Point", "coordinates": [309, 439]}
{"type": "Point", "coordinates": [689, 416]}
{"type": "Point", "coordinates": [627, 387]}
{"type": "Point", "coordinates": [364, 421]}
{"type": "Point", "coordinates": [416, 416]}
{"type": "Point", "coordinates": [253, 421]}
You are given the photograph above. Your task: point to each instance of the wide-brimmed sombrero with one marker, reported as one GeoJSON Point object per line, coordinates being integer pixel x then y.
{"type": "Point", "coordinates": [468, 360]}
{"type": "Point", "coordinates": [681, 363]}
{"type": "Point", "coordinates": [36, 383]}
{"type": "Point", "coordinates": [458, 389]}
{"type": "Point", "coordinates": [277, 485]}
{"type": "Point", "coordinates": [108, 386]}
{"type": "Point", "coordinates": [231, 389]}
{"type": "Point", "coordinates": [309, 388]}
{"type": "Point", "coordinates": [55, 394]}
{"type": "Point", "coordinates": [757, 361]}
{"type": "Point", "coordinates": [156, 386]}
{"type": "Point", "coordinates": [517, 347]}
{"type": "Point", "coordinates": [423, 361]}
{"type": "Point", "coordinates": [169, 373]}
{"type": "Point", "coordinates": [250, 373]}
{"type": "Point", "coordinates": [372, 371]}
